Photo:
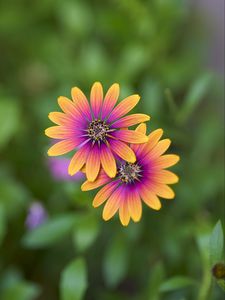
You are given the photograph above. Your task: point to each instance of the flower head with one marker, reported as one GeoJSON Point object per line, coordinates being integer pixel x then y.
{"type": "Point", "coordinates": [97, 130]}
{"type": "Point", "coordinates": [145, 179]}
{"type": "Point", "coordinates": [37, 215]}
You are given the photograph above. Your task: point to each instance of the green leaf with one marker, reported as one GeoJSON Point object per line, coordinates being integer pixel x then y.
{"type": "Point", "coordinates": [2, 222]}
{"type": "Point", "coordinates": [196, 93]}
{"type": "Point", "coordinates": [50, 232]}
{"type": "Point", "coordinates": [9, 116]}
{"type": "Point", "coordinates": [74, 280]}
{"type": "Point", "coordinates": [115, 262]}
{"type": "Point", "coordinates": [156, 278]}
{"type": "Point", "coordinates": [175, 283]}
{"type": "Point", "coordinates": [85, 232]}
{"type": "Point", "coordinates": [216, 243]}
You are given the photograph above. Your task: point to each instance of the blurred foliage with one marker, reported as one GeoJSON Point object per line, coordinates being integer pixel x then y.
{"type": "Point", "coordinates": [155, 48]}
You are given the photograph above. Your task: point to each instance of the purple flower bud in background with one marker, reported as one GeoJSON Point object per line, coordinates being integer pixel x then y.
{"type": "Point", "coordinates": [37, 215]}
{"type": "Point", "coordinates": [59, 170]}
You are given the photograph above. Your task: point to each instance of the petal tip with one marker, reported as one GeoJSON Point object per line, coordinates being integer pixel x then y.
{"type": "Point", "coordinates": [145, 139]}
{"type": "Point", "coordinates": [50, 153]}
{"type": "Point", "coordinates": [94, 204]}
{"type": "Point", "coordinates": [105, 217]}
{"type": "Point", "coordinates": [124, 224]}
{"type": "Point", "coordinates": [83, 187]}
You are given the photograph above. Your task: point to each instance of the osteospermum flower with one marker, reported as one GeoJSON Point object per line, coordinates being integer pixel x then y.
{"type": "Point", "coordinates": [146, 180]}
{"type": "Point", "coordinates": [98, 131]}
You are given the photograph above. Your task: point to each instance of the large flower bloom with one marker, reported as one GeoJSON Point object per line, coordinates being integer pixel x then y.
{"type": "Point", "coordinates": [146, 179]}
{"type": "Point", "coordinates": [98, 131]}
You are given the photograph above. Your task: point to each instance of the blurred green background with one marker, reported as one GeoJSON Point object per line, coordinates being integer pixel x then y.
{"type": "Point", "coordinates": [159, 49]}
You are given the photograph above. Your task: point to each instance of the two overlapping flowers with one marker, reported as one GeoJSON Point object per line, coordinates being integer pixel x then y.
{"type": "Point", "coordinates": [129, 165]}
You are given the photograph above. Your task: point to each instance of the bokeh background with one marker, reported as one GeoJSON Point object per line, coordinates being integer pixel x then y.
{"type": "Point", "coordinates": [171, 53]}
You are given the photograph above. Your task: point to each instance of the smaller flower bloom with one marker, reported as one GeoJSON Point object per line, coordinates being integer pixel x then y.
{"type": "Point", "coordinates": [145, 179]}
{"type": "Point", "coordinates": [98, 131]}
{"type": "Point", "coordinates": [37, 215]}
{"type": "Point", "coordinates": [59, 170]}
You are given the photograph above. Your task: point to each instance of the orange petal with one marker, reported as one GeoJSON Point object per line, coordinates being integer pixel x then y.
{"type": "Point", "coordinates": [112, 204]}
{"type": "Point", "coordinates": [163, 190]}
{"type": "Point", "coordinates": [61, 147]}
{"type": "Point", "coordinates": [134, 206]}
{"type": "Point", "coordinates": [101, 180]}
{"type": "Point", "coordinates": [108, 161]}
{"type": "Point", "coordinates": [96, 98]}
{"type": "Point", "coordinates": [131, 120]}
{"type": "Point", "coordinates": [60, 118]}
{"type": "Point", "coordinates": [78, 160]}
{"type": "Point", "coordinates": [124, 213]}
{"type": "Point", "coordinates": [81, 102]}
{"type": "Point", "coordinates": [110, 100]}
{"type": "Point", "coordinates": [124, 107]}
{"type": "Point", "coordinates": [165, 176]}
{"type": "Point", "coordinates": [123, 151]}
{"type": "Point", "coordinates": [104, 193]}
{"type": "Point", "coordinates": [58, 132]}
{"type": "Point", "coordinates": [150, 198]}
{"type": "Point", "coordinates": [93, 164]}
{"type": "Point", "coordinates": [160, 148]}
{"type": "Point", "coordinates": [141, 128]}
{"type": "Point", "coordinates": [166, 161]}
{"type": "Point", "coordinates": [153, 139]}
{"type": "Point", "coordinates": [130, 136]}
{"type": "Point", "coordinates": [69, 107]}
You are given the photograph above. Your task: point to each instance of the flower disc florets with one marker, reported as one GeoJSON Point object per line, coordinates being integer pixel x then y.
{"type": "Point", "coordinates": [129, 172]}
{"type": "Point", "coordinates": [97, 130]}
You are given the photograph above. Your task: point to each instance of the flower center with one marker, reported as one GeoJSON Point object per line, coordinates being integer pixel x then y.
{"type": "Point", "coordinates": [97, 130]}
{"type": "Point", "coordinates": [129, 172]}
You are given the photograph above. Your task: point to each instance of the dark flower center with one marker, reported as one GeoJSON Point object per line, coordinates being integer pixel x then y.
{"type": "Point", "coordinates": [129, 172]}
{"type": "Point", "coordinates": [97, 130]}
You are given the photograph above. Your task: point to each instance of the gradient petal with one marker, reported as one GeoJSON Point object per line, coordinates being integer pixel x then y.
{"type": "Point", "coordinates": [110, 100]}
{"type": "Point", "coordinates": [165, 176]}
{"type": "Point", "coordinates": [124, 107]}
{"type": "Point", "coordinates": [104, 193]}
{"type": "Point", "coordinates": [59, 132]}
{"type": "Point", "coordinates": [112, 204]}
{"type": "Point", "coordinates": [101, 180]}
{"type": "Point", "coordinates": [81, 102]}
{"type": "Point", "coordinates": [160, 148]}
{"type": "Point", "coordinates": [166, 161]}
{"type": "Point", "coordinates": [69, 108]}
{"type": "Point", "coordinates": [130, 136]}
{"type": "Point", "coordinates": [141, 128]}
{"type": "Point", "coordinates": [124, 213]}
{"type": "Point", "coordinates": [122, 150]}
{"type": "Point", "coordinates": [149, 198]}
{"type": "Point", "coordinates": [62, 147]}
{"type": "Point", "coordinates": [153, 139]}
{"type": "Point", "coordinates": [134, 205]}
{"type": "Point", "coordinates": [78, 160]}
{"type": "Point", "coordinates": [93, 163]}
{"type": "Point", "coordinates": [108, 161]}
{"type": "Point", "coordinates": [96, 98]}
{"type": "Point", "coordinates": [163, 190]}
{"type": "Point", "coordinates": [60, 118]}
{"type": "Point", "coordinates": [130, 120]}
